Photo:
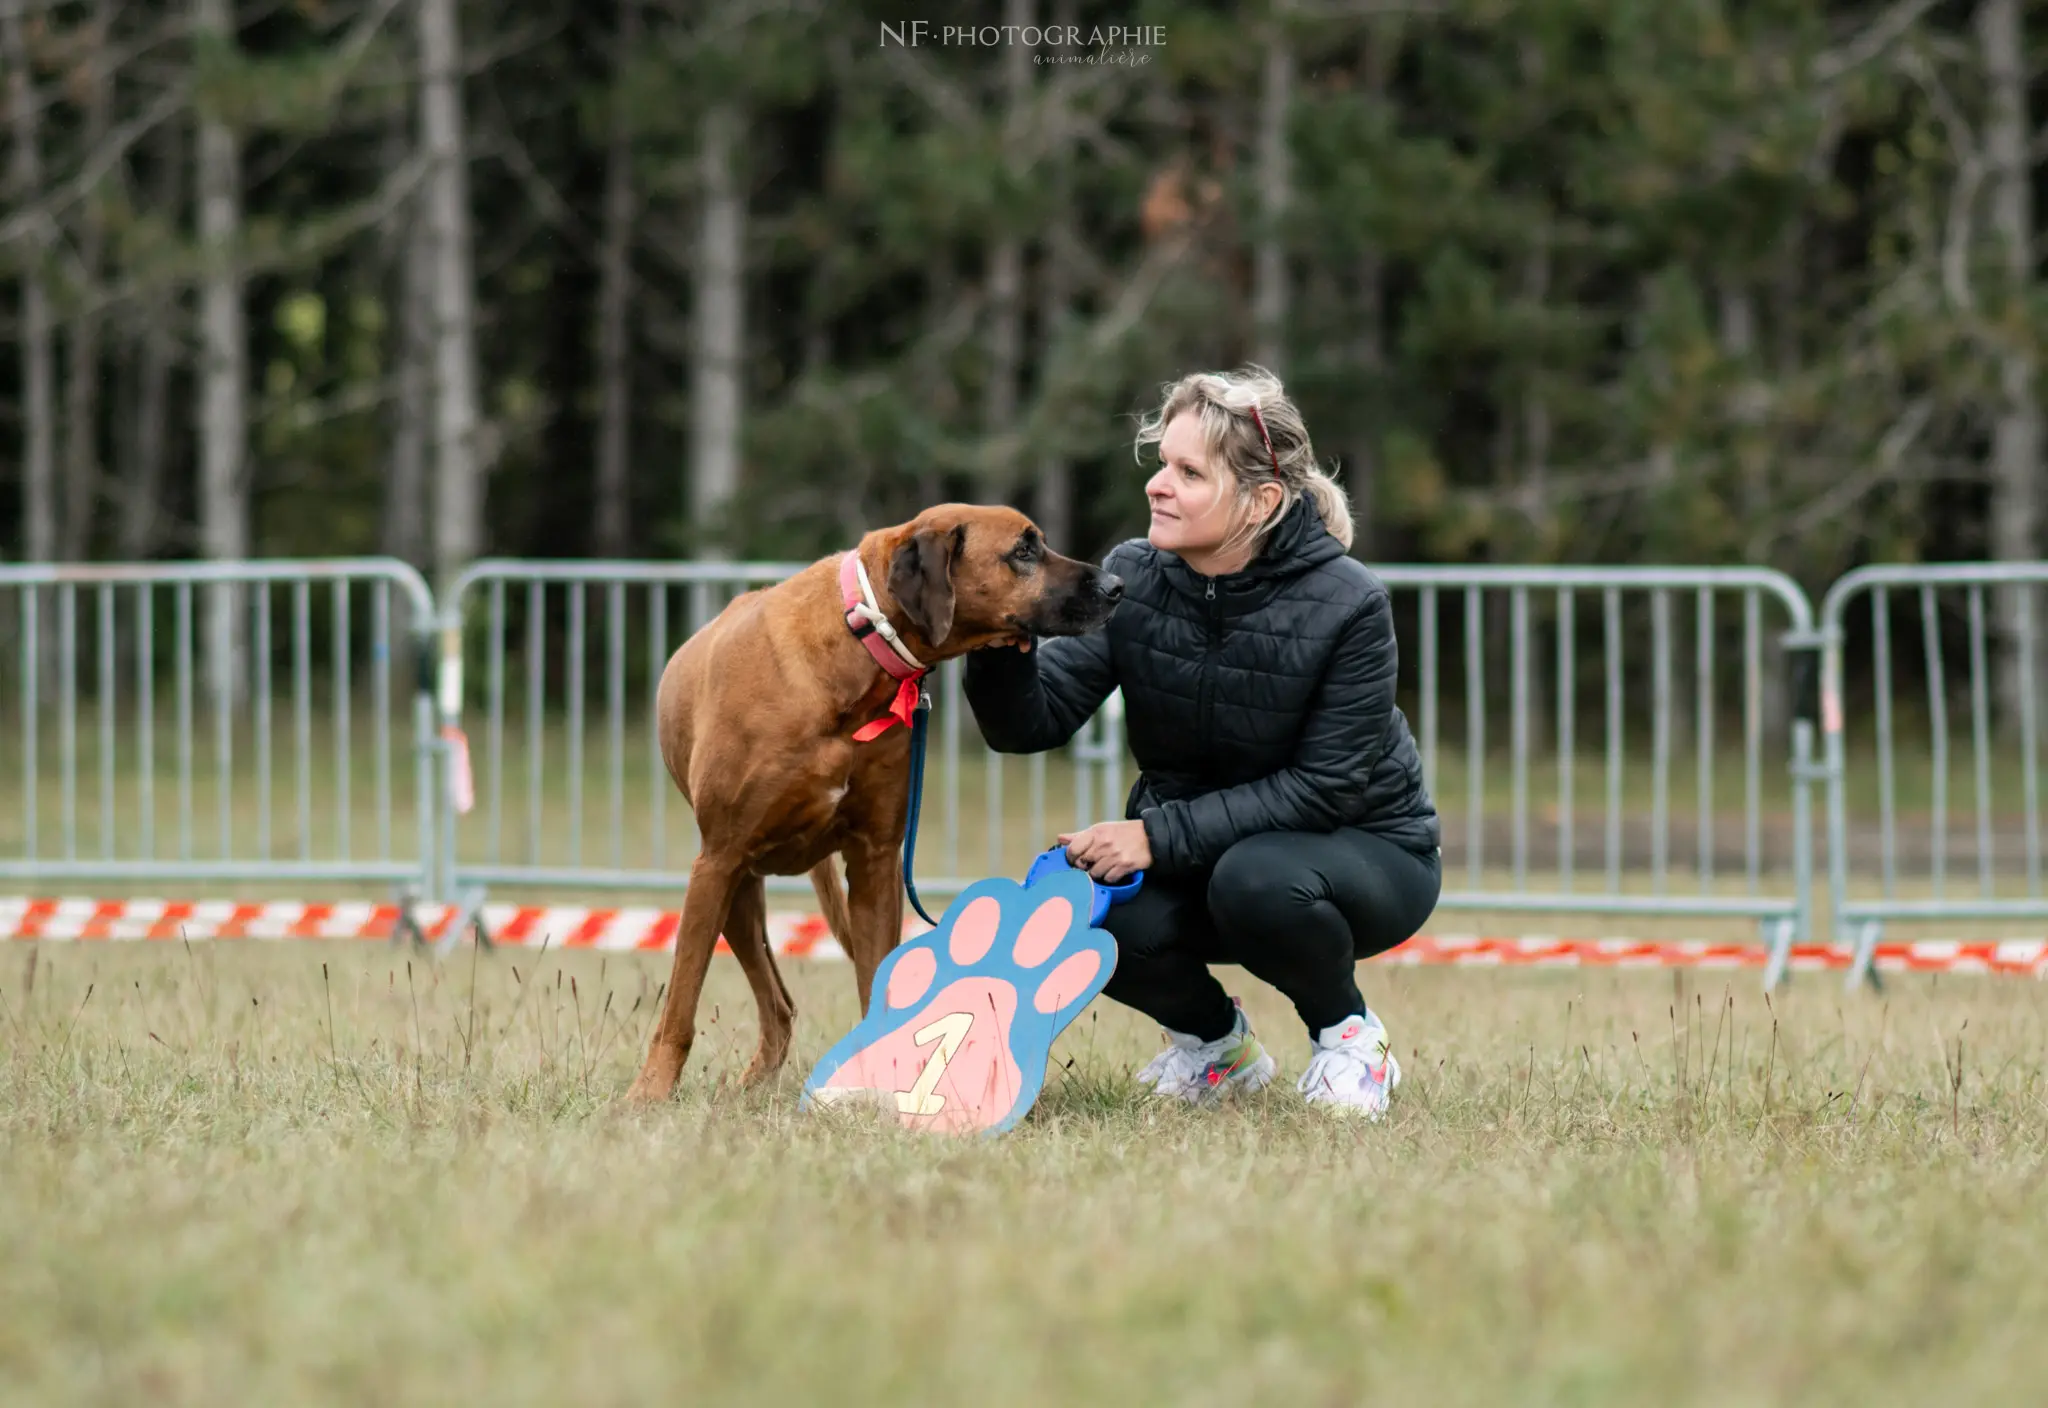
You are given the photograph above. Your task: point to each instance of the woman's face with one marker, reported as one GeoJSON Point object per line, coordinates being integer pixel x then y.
{"type": "Point", "coordinates": [1194, 505]}
{"type": "Point", "coordinates": [1191, 502]}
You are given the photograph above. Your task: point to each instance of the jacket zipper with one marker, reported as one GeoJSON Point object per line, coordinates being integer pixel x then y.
{"type": "Point", "coordinates": [1207, 712]}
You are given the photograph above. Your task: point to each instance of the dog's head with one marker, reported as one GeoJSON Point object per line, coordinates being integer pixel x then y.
{"type": "Point", "coordinates": [969, 575]}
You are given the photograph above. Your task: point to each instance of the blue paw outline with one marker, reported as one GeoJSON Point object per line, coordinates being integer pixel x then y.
{"type": "Point", "coordinates": [1030, 1033]}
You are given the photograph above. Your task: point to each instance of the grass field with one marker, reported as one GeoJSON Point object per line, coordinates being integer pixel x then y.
{"type": "Point", "coordinates": [267, 1174]}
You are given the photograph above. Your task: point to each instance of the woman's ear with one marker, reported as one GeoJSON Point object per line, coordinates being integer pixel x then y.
{"type": "Point", "coordinates": [1270, 496]}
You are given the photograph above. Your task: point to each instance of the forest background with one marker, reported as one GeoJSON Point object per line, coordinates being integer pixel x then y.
{"type": "Point", "coordinates": [1591, 281]}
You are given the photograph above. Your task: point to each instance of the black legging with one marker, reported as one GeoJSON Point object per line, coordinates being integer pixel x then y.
{"type": "Point", "coordinates": [1295, 909]}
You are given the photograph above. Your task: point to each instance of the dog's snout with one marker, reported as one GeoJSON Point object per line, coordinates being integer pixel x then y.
{"type": "Point", "coordinates": [1081, 602]}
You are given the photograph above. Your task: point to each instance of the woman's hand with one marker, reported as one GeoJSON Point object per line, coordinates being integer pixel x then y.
{"type": "Point", "coordinates": [1110, 851]}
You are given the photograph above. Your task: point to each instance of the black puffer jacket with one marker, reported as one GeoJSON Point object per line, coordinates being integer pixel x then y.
{"type": "Point", "coordinates": [1258, 701]}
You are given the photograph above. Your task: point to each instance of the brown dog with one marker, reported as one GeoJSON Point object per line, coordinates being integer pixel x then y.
{"type": "Point", "coordinates": [757, 713]}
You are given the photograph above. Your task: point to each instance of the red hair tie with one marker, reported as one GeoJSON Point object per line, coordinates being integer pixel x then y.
{"type": "Point", "coordinates": [1260, 422]}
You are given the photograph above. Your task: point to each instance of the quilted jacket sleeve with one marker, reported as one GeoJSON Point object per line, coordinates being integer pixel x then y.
{"type": "Point", "coordinates": [1326, 785]}
{"type": "Point", "coordinates": [1029, 702]}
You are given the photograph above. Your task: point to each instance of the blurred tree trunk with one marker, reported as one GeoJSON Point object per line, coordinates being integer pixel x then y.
{"type": "Point", "coordinates": [1750, 414]}
{"type": "Point", "coordinates": [405, 514]}
{"type": "Point", "coordinates": [1535, 409]}
{"type": "Point", "coordinates": [408, 253]}
{"type": "Point", "coordinates": [1535, 488]}
{"type": "Point", "coordinates": [1269, 260]}
{"type": "Point", "coordinates": [615, 368]}
{"type": "Point", "coordinates": [156, 352]}
{"type": "Point", "coordinates": [38, 394]}
{"type": "Point", "coordinates": [408, 340]}
{"type": "Point", "coordinates": [1751, 399]}
{"type": "Point", "coordinates": [942, 295]}
{"type": "Point", "coordinates": [717, 333]}
{"type": "Point", "coordinates": [458, 479]}
{"type": "Point", "coordinates": [81, 388]}
{"type": "Point", "coordinates": [2015, 529]}
{"type": "Point", "coordinates": [1361, 474]}
{"type": "Point", "coordinates": [1006, 271]}
{"type": "Point", "coordinates": [1052, 499]}
{"type": "Point", "coordinates": [223, 417]}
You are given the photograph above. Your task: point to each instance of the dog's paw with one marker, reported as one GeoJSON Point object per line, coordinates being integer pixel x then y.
{"type": "Point", "coordinates": [963, 1018]}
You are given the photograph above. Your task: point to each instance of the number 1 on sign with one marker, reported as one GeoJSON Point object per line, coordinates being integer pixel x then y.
{"type": "Point", "coordinates": [950, 1031]}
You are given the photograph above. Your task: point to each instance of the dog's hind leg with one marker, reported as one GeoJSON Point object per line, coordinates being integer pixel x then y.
{"type": "Point", "coordinates": [713, 881]}
{"type": "Point", "coordinates": [832, 900]}
{"type": "Point", "coordinates": [746, 929]}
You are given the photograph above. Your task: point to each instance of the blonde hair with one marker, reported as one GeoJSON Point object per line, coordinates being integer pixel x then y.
{"type": "Point", "coordinates": [1234, 407]}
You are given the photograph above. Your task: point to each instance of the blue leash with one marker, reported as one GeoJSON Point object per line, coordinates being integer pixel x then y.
{"type": "Point", "coordinates": [1054, 859]}
{"type": "Point", "coordinates": [918, 719]}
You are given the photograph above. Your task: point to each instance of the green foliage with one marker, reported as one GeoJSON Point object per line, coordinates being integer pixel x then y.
{"type": "Point", "coordinates": [296, 92]}
{"type": "Point", "coordinates": [1586, 279]}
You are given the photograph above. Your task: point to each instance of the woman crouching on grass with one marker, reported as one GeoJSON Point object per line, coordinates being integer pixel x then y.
{"type": "Point", "coordinates": [1280, 813]}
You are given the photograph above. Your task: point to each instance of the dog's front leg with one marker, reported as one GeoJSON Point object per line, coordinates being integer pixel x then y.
{"type": "Point", "coordinates": [713, 880]}
{"type": "Point", "coordinates": [874, 901]}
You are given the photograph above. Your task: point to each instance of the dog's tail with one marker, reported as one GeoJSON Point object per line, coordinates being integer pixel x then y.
{"type": "Point", "coordinates": [832, 898]}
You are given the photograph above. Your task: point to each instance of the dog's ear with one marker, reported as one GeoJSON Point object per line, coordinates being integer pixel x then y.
{"type": "Point", "coordinates": [921, 579]}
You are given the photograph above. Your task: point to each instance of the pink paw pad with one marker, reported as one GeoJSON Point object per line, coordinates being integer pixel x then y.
{"type": "Point", "coordinates": [912, 977]}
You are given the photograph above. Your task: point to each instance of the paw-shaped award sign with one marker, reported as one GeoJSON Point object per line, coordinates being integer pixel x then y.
{"type": "Point", "coordinates": [962, 1019]}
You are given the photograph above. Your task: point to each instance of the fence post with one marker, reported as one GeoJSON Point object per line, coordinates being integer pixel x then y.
{"type": "Point", "coordinates": [1113, 755]}
{"type": "Point", "coordinates": [1834, 769]}
{"type": "Point", "coordinates": [1800, 646]}
{"type": "Point", "coordinates": [445, 677]}
{"type": "Point", "coordinates": [426, 769]}
{"type": "Point", "coordinates": [1805, 659]}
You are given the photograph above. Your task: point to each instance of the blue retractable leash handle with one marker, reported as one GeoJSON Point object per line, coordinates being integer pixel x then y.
{"type": "Point", "coordinates": [1103, 895]}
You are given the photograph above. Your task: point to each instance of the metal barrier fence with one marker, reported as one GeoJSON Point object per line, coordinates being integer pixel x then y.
{"type": "Point", "coordinates": [195, 671]}
{"type": "Point", "coordinates": [573, 641]}
{"type": "Point", "coordinates": [1992, 607]}
{"type": "Point", "coordinates": [1619, 742]}
{"type": "Point", "coordinates": [1632, 625]}
{"type": "Point", "coordinates": [559, 646]}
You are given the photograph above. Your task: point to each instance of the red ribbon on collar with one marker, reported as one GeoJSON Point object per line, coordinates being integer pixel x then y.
{"type": "Point", "coordinates": [901, 708]}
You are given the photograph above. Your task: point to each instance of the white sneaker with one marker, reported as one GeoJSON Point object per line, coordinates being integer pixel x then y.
{"type": "Point", "coordinates": [1352, 1068]}
{"type": "Point", "coordinates": [1201, 1072]}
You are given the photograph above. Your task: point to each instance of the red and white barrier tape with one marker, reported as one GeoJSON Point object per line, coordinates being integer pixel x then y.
{"type": "Point", "coordinates": [797, 935]}
{"type": "Point", "coordinates": [519, 926]}
{"type": "Point", "coordinates": [2023, 957]}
